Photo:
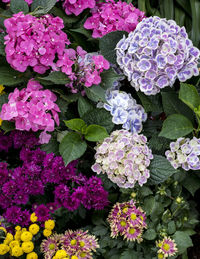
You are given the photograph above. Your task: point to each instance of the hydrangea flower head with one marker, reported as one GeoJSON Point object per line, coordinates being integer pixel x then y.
{"type": "Point", "coordinates": [127, 220]}
{"type": "Point", "coordinates": [32, 109]}
{"type": "Point", "coordinates": [167, 247]}
{"type": "Point", "coordinates": [77, 6]}
{"type": "Point", "coordinates": [79, 243]}
{"type": "Point", "coordinates": [113, 16]}
{"type": "Point", "coordinates": [156, 54]}
{"type": "Point", "coordinates": [125, 110]}
{"type": "Point", "coordinates": [185, 153]}
{"type": "Point", "coordinates": [34, 42]}
{"type": "Point", "coordinates": [124, 157]}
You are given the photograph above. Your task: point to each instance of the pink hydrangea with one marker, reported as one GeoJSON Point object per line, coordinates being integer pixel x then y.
{"type": "Point", "coordinates": [77, 6]}
{"type": "Point", "coordinates": [32, 108]}
{"type": "Point", "coordinates": [82, 68]}
{"type": "Point", "coordinates": [113, 16]}
{"type": "Point", "coordinates": [33, 41]}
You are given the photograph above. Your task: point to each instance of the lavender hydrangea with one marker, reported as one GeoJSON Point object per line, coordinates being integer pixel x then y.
{"type": "Point", "coordinates": [124, 157]}
{"type": "Point", "coordinates": [184, 153]}
{"type": "Point", "coordinates": [156, 54]}
{"type": "Point", "coordinates": [125, 110]}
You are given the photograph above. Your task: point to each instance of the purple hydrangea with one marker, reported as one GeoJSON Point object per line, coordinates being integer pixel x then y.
{"type": "Point", "coordinates": [185, 153]}
{"type": "Point", "coordinates": [125, 110]}
{"type": "Point", "coordinates": [156, 54]}
{"type": "Point", "coordinates": [124, 157]}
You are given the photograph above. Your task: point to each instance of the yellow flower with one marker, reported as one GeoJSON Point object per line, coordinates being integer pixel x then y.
{"type": "Point", "coordinates": [47, 232]}
{"type": "Point", "coordinates": [4, 249]}
{"type": "Point", "coordinates": [160, 255]}
{"type": "Point", "coordinates": [8, 238]}
{"type": "Point", "coordinates": [32, 255]}
{"type": "Point", "coordinates": [18, 235]}
{"type": "Point", "coordinates": [34, 229]}
{"type": "Point", "coordinates": [17, 251]}
{"type": "Point", "coordinates": [1, 121]}
{"type": "Point", "coordinates": [13, 244]}
{"type": "Point", "coordinates": [33, 217]}
{"type": "Point", "coordinates": [1, 89]}
{"type": "Point", "coordinates": [74, 257]}
{"type": "Point", "coordinates": [3, 229]}
{"type": "Point", "coordinates": [60, 254]}
{"type": "Point", "coordinates": [26, 236]}
{"type": "Point", "coordinates": [49, 224]}
{"type": "Point", "coordinates": [27, 247]}
{"type": "Point", "coordinates": [18, 228]}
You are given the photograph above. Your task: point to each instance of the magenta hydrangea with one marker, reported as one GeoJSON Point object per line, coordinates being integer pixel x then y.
{"type": "Point", "coordinates": [124, 157]}
{"type": "Point", "coordinates": [34, 42]}
{"type": "Point", "coordinates": [32, 108]}
{"type": "Point", "coordinates": [127, 220]}
{"type": "Point", "coordinates": [77, 6]}
{"type": "Point", "coordinates": [82, 68]}
{"type": "Point", "coordinates": [113, 16]}
{"type": "Point", "coordinates": [156, 54]}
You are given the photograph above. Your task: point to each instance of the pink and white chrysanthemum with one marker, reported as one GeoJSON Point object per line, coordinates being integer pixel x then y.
{"type": "Point", "coordinates": [50, 245]}
{"type": "Point", "coordinates": [167, 247]}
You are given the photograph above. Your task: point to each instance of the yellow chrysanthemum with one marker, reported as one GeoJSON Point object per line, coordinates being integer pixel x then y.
{"type": "Point", "coordinates": [33, 217]}
{"type": "Point", "coordinates": [18, 228]}
{"type": "Point", "coordinates": [27, 247]}
{"type": "Point", "coordinates": [26, 236]}
{"type": "Point", "coordinates": [74, 257]}
{"type": "Point", "coordinates": [8, 238]}
{"type": "Point", "coordinates": [34, 229]}
{"type": "Point", "coordinates": [49, 224]}
{"type": "Point", "coordinates": [1, 89]}
{"type": "Point", "coordinates": [60, 254]}
{"type": "Point", "coordinates": [17, 251]}
{"type": "Point", "coordinates": [4, 249]}
{"type": "Point", "coordinates": [14, 243]}
{"type": "Point", "coordinates": [32, 255]}
{"type": "Point", "coordinates": [47, 232]}
{"type": "Point", "coordinates": [18, 235]}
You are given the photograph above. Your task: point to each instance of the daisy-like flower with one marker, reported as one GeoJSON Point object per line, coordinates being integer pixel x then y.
{"type": "Point", "coordinates": [127, 220]}
{"type": "Point", "coordinates": [79, 243]}
{"type": "Point", "coordinates": [50, 245]}
{"type": "Point", "coordinates": [167, 247]}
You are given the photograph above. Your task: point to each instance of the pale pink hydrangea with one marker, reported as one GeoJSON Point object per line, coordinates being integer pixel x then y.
{"type": "Point", "coordinates": [82, 68]}
{"type": "Point", "coordinates": [77, 6]}
{"type": "Point", "coordinates": [124, 157]}
{"type": "Point", "coordinates": [32, 108]}
{"type": "Point", "coordinates": [29, 2]}
{"type": "Point", "coordinates": [34, 42]}
{"type": "Point", "coordinates": [113, 16]}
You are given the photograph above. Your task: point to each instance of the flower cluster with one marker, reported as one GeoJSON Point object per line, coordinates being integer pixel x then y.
{"type": "Point", "coordinates": [28, 1]}
{"type": "Point", "coordinates": [127, 220]}
{"type": "Point", "coordinates": [125, 110]}
{"type": "Point", "coordinates": [33, 41]}
{"type": "Point", "coordinates": [184, 153]}
{"type": "Point", "coordinates": [113, 16]}
{"type": "Point", "coordinates": [77, 6]}
{"type": "Point", "coordinates": [156, 54]}
{"type": "Point", "coordinates": [32, 109]}
{"type": "Point", "coordinates": [72, 244]}
{"type": "Point", "coordinates": [82, 68]}
{"type": "Point", "coordinates": [167, 247]}
{"type": "Point", "coordinates": [124, 157]}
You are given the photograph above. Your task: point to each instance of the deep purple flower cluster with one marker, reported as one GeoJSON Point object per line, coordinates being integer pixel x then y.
{"type": "Point", "coordinates": [32, 41]}
{"type": "Point", "coordinates": [156, 54]}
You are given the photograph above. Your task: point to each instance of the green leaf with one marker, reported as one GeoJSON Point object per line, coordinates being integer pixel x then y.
{"type": "Point", "coordinates": [95, 133]}
{"type": "Point", "coordinates": [7, 126]}
{"type": "Point", "coordinates": [100, 230]}
{"type": "Point", "coordinates": [17, 6]}
{"type": "Point", "coordinates": [56, 77]}
{"type": "Point", "coordinates": [83, 31]}
{"type": "Point", "coordinates": [72, 147]}
{"type": "Point", "coordinates": [189, 95]}
{"type": "Point", "coordinates": [148, 204]}
{"type": "Point", "coordinates": [129, 254]}
{"type": "Point", "coordinates": [150, 103]}
{"type": "Point", "coordinates": [108, 43]}
{"type": "Point", "coordinates": [95, 93]}
{"type": "Point", "coordinates": [171, 227]}
{"type": "Point", "coordinates": [108, 78]}
{"type": "Point", "coordinates": [2, 46]}
{"type": "Point", "coordinates": [52, 146]}
{"type": "Point", "coordinates": [99, 117]}
{"type": "Point", "coordinates": [182, 240]}
{"type": "Point", "coordinates": [84, 106]}
{"type": "Point", "coordinates": [169, 9]}
{"type": "Point", "coordinates": [160, 169]}
{"type": "Point", "coordinates": [176, 126]}
{"type": "Point", "coordinates": [9, 76]}
{"type": "Point", "coordinates": [3, 99]}
{"type": "Point", "coordinates": [191, 183]}
{"type": "Point", "coordinates": [42, 6]}
{"type": "Point", "coordinates": [195, 34]}
{"type": "Point", "coordinates": [150, 234]}
{"type": "Point", "coordinates": [75, 124]}
{"type": "Point", "coordinates": [66, 18]}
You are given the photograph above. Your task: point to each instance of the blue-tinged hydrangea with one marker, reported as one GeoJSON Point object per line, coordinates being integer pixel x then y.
{"type": "Point", "coordinates": [124, 157]}
{"type": "Point", "coordinates": [125, 110]}
{"type": "Point", "coordinates": [184, 153]}
{"type": "Point", "coordinates": [156, 54]}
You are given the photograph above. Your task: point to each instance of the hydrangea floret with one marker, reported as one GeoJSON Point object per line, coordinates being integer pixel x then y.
{"type": "Point", "coordinates": [34, 42]}
{"type": "Point", "coordinates": [185, 153]}
{"type": "Point", "coordinates": [82, 68]}
{"type": "Point", "coordinates": [167, 247]}
{"type": "Point", "coordinates": [127, 220]}
{"type": "Point", "coordinates": [125, 110]}
{"type": "Point", "coordinates": [124, 157]}
{"type": "Point", "coordinates": [77, 6]}
{"type": "Point", "coordinates": [156, 54]}
{"type": "Point", "coordinates": [113, 16]}
{"type": "Point", "coordinates": [32, 108]}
